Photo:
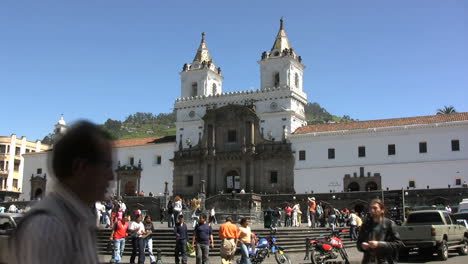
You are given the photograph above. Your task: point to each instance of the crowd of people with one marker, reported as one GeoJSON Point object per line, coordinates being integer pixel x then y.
{"type": "Point", "coordinates": [319, 214]}
{"type": "Point", "coordinates": [109, 211]}
{"type": "Point", "coordinates": [140, 234]}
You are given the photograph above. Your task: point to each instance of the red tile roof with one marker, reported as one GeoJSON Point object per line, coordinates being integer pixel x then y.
{"type": "Point", "coordinates": [134, 142]}
{"type": "Point", "coordinates": [393, 122]}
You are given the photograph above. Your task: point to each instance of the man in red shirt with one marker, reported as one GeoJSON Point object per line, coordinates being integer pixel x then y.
{"type": "Point", "coordinates": [312, 212]}
{"type": "Point", "coordinates": [119, 233]}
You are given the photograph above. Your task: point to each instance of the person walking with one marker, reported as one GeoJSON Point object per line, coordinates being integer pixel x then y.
{"type": "Point", "coordinates": [149, 230]}
{"type": "Point", "coordinates": [288, 212]}
{"type": "Point", "coordinates": [177, 206]}
{"type": "Point", "coordinates": [55, 227]}
{"type": "Point", "coordinates": [228, 233]}
{"type": "Point", "coordinates": [353, 223]}
{"type": "Point", "coordinates": [213, 220]}
{"type": "Point", "coordinates": [202, 240]}
{"type": "Point", "coordinates": [170, 214]}
{"type": "Point", "coordinates": [299, 215]}
{"type": "Point", "coordinates": [245, 235]}
{"type": "Point", "coordinates": [294, 213]}
{"type": "Point", "coordinates": [118, 235]}
{"type": "Point", "coordinates": [180, 230]}
{"type": "Point", "coordinates": [378, 238]}
{"type": "Point", "coordinates": [319, 220]}
{"type": "Point", "coordinates": [331, 217]}
{"type": "Point", "coordinates": [137, 229]}
{"type": "Point", "coordinates": [312, 211]}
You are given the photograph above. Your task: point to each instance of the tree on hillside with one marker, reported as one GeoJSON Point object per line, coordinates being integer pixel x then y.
{"type": "Point", "coordinates": [317, 114]}
{"type": "Point", "coordinates": [446, 110]}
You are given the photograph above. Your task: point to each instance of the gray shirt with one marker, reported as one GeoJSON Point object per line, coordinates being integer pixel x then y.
{"type": "Point", "coordinates": [59, 229]}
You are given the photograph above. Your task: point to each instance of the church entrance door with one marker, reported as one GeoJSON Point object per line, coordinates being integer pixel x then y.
{"type": "Point", "coordinates": [130, 188]}
{"type": "Point", "coordinates": [233, 181]}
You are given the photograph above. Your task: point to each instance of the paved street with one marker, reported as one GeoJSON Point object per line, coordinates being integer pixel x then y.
{"type": "Point", "coordinates": [298, 258]}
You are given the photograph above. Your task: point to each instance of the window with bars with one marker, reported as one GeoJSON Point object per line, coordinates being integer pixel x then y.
{"type": "Point", "coordinates": [455, 145]}
{"type": "Point", "coordinates": [391, 149]}
{"type": "Point", "coordinates": [331, 153]}
{"type": "Point", "coordinates": [422, 147]}
{"type": "Point", "coordinates": [189, 180]}
{"type": "Point", "coordinates": [361, 151]}
{"type": "Point", "coordinates": [302, 155]}
{"type": "Point", "coordinates": [273, 177]}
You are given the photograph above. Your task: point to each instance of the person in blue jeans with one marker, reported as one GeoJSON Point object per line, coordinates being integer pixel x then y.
{"type": "Point", "coordinates": [137, 228]}
{"type": "Point", "coordinates": [203, 236]}
{"type": "Point", "coordinates": [180, 230]}
{"type": "Point", "coordinates": [118, 235]}
{"type": "Point", "coordinates": [149, 230]}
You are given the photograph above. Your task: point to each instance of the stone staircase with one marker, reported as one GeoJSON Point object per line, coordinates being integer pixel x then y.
{"type": "Point", "coordinates": [292, 239]}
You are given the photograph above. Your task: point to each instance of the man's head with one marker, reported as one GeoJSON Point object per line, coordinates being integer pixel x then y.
{"type": "Point", "coordinates": [138, 218]}
{"type": "Point", "coordinates": [229, 219]}
{"type": "Point", "coordinates": [203, 218]}
{"type": "Point", "coordinates": [180, 218]}
{"type": "Point", "coordinates": [82, 161]}
{"type": "Point", "coordinates": [377, 210]}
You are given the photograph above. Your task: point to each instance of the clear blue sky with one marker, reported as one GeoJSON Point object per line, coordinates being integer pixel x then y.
{"type": "Point", "coordinates": [110, 58]}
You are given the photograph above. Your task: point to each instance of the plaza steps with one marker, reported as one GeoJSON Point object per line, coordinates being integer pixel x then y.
{"type": "Point", "coordinates": [292, 239]}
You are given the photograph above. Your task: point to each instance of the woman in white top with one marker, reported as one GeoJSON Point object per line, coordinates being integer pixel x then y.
{"type": "Point", "coordinates": [177, 206]}
{"type": "Point", "coordinates": [296, 210]}
{"type": "Point", "coordinates": [137, 230]}
{"type": "Point", "coordinates": [353, 223]}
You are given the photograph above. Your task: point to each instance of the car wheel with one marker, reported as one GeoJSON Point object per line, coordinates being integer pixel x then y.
{"type": "Point", "coordinates": [463, 250]}
{"type": "Point", "coordinates": [442, 250]}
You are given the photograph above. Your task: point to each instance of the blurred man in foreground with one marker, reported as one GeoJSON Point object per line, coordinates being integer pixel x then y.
{"type": "Point", "coordinates": [61, 228]}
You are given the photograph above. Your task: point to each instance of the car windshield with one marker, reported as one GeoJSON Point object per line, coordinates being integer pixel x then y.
{"type": "Point", "coordinates": [461, 216]}
{"type": "Point", "coordinates": [425, 218]}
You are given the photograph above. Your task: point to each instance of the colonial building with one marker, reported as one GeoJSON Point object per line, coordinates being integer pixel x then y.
{"type": "Point", "coordinates": [413, 152]}
{"type": "Point", "coordinates": [12, 163]}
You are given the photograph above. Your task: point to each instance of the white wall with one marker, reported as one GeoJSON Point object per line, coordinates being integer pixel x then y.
{"type": "Point", "coordinates": [32, 162]}
{"type": "Point", "coordinates": [153, 175]}
{"type": "Point", "coordinates": [438, 167]}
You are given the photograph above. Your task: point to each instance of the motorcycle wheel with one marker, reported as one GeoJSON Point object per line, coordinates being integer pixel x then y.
{"type": "Point", "coordinates": [315, 257]}
{"type": "Point", "coordinates": [282, 258]}
{"type": "Point", "coordinates": [344, 255]}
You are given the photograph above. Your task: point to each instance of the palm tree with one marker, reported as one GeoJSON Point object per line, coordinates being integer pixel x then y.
{"type": "Point", "coordinates": [446, 110]}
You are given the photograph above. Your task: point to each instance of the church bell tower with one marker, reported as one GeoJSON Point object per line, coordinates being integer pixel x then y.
{"type": "Point", "coordinates": [281, 67]}
{"type": "Point", "coordinates": [201, 77]}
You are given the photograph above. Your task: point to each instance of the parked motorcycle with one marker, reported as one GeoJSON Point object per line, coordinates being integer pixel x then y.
{"type": "Point", "coordinates": [265, 246]}
{"type": "Point", "coordinates": [330, 247]}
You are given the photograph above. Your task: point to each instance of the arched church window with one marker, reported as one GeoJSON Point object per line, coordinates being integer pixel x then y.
{"type": "Point", "coordinates": [194, 89]}
{"type": "Point", "coordinates": [214, 89]}
{"type": "Point", "coordinates": [296, 80]}
{"type": "Point", "coordinates": [277, 79]}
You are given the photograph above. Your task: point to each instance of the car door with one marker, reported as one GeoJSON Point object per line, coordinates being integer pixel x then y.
{"type": "Point", "coordinates": [451, 232]}
{"type": "Point", "coordinates": [459, 229]}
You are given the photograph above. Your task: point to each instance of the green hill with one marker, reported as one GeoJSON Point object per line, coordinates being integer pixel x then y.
{"type": "Point", "coordinates": [141, 125]}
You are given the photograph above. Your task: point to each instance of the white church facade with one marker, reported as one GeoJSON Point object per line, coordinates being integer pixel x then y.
{"type": "Point", "coordinates": [326, 157]}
